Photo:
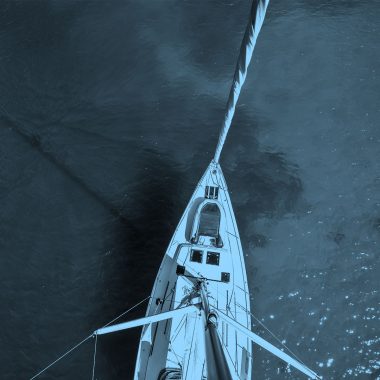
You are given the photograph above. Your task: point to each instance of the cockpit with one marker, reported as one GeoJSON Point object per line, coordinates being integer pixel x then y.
{"type": "Point", "coordinates": [207, 225]}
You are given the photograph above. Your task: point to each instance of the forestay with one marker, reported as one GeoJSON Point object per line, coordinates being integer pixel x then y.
{"type": "Point", "coordinates": [255, 22]}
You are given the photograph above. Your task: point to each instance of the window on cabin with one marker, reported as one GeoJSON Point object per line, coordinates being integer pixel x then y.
{"type": "Point", "coordinates": [196, 256]}
{"type": "Point", "coordinates": [212, 258]}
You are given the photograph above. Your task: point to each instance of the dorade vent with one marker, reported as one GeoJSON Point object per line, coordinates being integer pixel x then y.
{"type": "Point", "coordinates": [196, 255]}
{"type": "Point", "coordinates": [211, 192]}
{"type": "Point", "coordinates": [212, 258]}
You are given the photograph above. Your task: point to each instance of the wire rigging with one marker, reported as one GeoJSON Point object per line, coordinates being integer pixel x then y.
{"type": "Point", "coordinates": [272, 334]}
{"type": "Point", "coordinates": [268, 330]}
{"type": "Point", "coordinates": [85, 339]}
{"type": "Point", "coordinates": [61, 357]}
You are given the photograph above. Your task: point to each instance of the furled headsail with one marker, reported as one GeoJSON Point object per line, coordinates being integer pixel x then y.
{"type": "Point", "coordinates": [256, 19]}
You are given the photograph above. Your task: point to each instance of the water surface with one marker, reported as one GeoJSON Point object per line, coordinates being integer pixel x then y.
{"type": "Point", "coordinates": [110, 112]}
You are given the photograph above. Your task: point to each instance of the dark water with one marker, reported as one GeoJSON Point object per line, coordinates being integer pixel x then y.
{"type": "Point", "coordinates": [109, 114]}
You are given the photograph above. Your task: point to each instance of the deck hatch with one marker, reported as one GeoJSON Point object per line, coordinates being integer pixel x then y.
{"type": "Point", "coordinates": [211, 192]}
{"type": "Point", "coordinates": [196, 255]}
{"type": "Point", "coordinates": [212, 258]}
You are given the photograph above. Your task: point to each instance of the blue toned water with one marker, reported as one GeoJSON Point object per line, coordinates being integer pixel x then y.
{"type": "Point", "coordinates": [110, 112]}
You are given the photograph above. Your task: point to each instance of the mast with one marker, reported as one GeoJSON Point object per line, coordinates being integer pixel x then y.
{"type": "Point", "coordinates": [256, 19]}
{"type": "Point", "coordinates": [217, 366]}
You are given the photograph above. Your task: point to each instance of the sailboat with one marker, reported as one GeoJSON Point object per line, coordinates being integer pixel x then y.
{"type": "Point", "coordinates": [198, 321]}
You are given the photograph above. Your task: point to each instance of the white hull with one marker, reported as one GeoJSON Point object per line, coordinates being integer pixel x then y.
{"type": "Point", "coordinates": [179, 342]}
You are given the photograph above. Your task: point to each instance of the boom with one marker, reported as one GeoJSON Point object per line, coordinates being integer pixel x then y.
{"type": "Point", "coordinates": [146, 320]}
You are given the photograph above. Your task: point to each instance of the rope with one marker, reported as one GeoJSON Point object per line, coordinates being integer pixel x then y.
{"type": "Point", "coordinates": [172, 349]}
{"type": "Point", "coordinates": [93, 365]}
{"type": "Point", "coordinates": [85, 339]}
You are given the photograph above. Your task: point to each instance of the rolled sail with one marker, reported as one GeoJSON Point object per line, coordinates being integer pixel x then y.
{"type": "Point", "coordinates": [255, 22]}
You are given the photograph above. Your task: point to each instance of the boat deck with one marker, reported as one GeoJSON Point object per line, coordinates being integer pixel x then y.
{"type": "Point", "coordinates": [205, 246]}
